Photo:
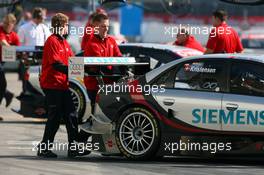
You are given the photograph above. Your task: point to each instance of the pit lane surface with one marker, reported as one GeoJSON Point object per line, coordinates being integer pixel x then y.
{"type": "Point", "coordinates": [17, 157]}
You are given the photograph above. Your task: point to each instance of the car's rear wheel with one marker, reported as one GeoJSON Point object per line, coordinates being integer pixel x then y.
{"type": "Point", "coordinates": [137, 134]}
{"type": "Point", "coordinates": [78, 99]}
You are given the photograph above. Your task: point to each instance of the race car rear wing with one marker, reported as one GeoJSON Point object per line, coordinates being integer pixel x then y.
{"type": "Point", "coordinates": [77, 64]}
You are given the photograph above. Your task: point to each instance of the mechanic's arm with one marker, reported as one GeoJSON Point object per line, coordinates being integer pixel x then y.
{"type": "Point", "coordinates": [58, 66]}
{"type": "Point", "coordinates": [240, 48]}
{"type": "Point", "coordinates": [208, 51]}
{"type": "Point", "coordinates": [211, 43]}
{"type": "Point", "coordinates": [117, 52]}
{"type": "Point", "coordinates": [4, 43]}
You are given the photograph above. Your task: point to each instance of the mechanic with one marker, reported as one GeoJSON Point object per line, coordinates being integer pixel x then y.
{"type": "Point", "coordinates": [7, 38]}
{"type": "Point", "coordinates": [89, 27]}
{"type": "Point", "coordinates": [187, 40]}
{"type": "Point", "coordinates": [223, 38]}
{"type": "Point", "coordinates": [100, 45]}
{"type": "Point", "coordinates": [55, 85]}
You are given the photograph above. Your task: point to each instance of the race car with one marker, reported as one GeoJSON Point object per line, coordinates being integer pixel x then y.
{"type": "Point", "coordinates": [33, 100]}
{"type": "Point", "coordinates": [197, 102]}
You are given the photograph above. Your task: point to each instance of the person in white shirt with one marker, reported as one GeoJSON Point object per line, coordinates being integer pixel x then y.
{"type": "Point", "coordinates": [34, 32]}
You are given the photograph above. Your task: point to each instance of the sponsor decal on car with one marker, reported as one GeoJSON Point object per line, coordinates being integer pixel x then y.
{"type": "Point", "coordinates": [238, 117]}
{"type": "Point", "coordinates": [198, 68]}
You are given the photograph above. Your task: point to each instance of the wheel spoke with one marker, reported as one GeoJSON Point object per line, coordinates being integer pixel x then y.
{"type": "Point", "coordinates": [129, 142]}
{"type": "Point", "coordinates": [148, 131]}
{"type": "Point", "coordinates": [137, 145]}
{"type": "Point", "coordinates": [142, 145]}
{"type": "Point", "coordinates": [145, 141]}
{"type": "Point", "coordinates": [123, 132]}
{"type": "Point", "coordinates": [146, 126]}
{"type": "Point", "coordinates": [127, 138]}
{"type": "Point", "coordinates": [135, 121]}
{"type": "Point", "coordinates": [130, 129]}
{"type": "Point", "coordinates": [130, 123]}
{"type": "Point", "coordinates": [74, 97]}
{"type": "Point", "coordinates": [147, 136]}
{"type": "Point", "coordinates": [139, 120]}
{"type": "Point", "coordinates": [143, 122]}
{"type": "Point", "coordinates": [133, 145]}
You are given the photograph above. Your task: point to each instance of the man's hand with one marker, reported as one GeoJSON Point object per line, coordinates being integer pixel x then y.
{"type": "Point", "coordinates": [4, 43]}
{"type": "Point", "coordinates": [208, 51]}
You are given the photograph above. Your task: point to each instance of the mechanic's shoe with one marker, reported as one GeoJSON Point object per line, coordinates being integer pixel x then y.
{"type": "Point", "coordinates": [46, 154]}
{"type": "Point", "coordinates": [76, 153]}
{"type": "Point", "coordinates": [9, 97]}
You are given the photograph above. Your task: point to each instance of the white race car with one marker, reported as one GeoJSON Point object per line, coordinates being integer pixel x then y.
{"type": "Point", "coordinates": [199, 105]}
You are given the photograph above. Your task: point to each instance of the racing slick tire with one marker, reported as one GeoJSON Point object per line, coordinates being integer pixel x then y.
{"type": "Point", "coordinates": [78, 99]}
{"type": "Point", "coordinates": [137, 134]}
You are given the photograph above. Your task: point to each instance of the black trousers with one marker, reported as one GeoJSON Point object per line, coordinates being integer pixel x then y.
{"type": "Point", "coordinates": [3, 91]}
{"type": "Point", "coordinates": [92, 96]}
{"type": "Point", "coordinates": [2, 83]}
{"type": "Point", "coordinates": [60, 106]}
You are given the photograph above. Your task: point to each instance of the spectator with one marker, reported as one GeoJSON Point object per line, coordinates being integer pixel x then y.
{"type": "Point", "coordinates": [34, 32]}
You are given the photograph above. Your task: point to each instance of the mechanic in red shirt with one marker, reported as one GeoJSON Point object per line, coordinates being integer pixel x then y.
{"type": "Point", "coordinates": [223, 38]}
{"type": "Point", "coordinates": [7, 38]}
{"type": "Point", "coordinates": [187, 40]}
{"type": "Point", "coordinates": [100, 45]}
{"type": "Point", "coordinates": [89, 27]}
{"type": "Point", "coordinates": [55, 85]}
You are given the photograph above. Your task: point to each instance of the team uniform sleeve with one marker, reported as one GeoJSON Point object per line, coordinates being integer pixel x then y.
{"type": "Point", "coordinates": [117, 52]}
{"type": "Point", "coordinates": [239, 47]}
{"type": "Point", "coordinates": [212, 40]}
{"type": "Point", "coordinates": [16, 40]}
{"type": "Point", "coordinates": [2, 36]}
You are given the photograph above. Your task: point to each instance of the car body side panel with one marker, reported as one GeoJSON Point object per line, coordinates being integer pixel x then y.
{"type": "Point", "coordinates": [249, 115]}
{"type": "Point", "coordinates": [189, 106]}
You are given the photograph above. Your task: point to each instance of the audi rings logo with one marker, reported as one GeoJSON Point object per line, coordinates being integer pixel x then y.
{"type": "Point", "coordinates": [210, 85]}
{"type": "Point", "coordinates": [76, 67]}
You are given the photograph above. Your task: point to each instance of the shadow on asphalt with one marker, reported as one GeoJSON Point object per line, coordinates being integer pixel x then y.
{"type": "Point", "coordinates": [22, 122]}
{"type": "Point", "coordinates": [181, 162]}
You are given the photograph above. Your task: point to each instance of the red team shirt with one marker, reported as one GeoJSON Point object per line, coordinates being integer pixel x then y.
{"type": "Point", "coordinates": [88, 33]}
{"type": "Point", "coordinates": [100, 48]}
{"type": "Point", "coordinates": [56, 49]}
{"type": "Point", "coordinates": [224, 39]}
{"type": "Point", "coordinates": [192, 43]}
{"type": "Point", "coordinates": [11, 38]}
